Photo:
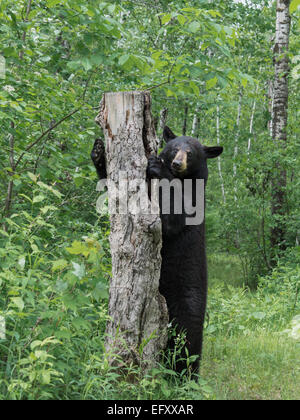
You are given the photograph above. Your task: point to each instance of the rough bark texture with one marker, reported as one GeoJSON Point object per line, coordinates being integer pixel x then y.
{"type": "Point", "coordinates": [279, 118]}
{"type": "Point", "coordinates": [137, 310]}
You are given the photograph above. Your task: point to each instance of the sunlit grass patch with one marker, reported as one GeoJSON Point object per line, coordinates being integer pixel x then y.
{"type": "Point", "coordinates": [257, 366]}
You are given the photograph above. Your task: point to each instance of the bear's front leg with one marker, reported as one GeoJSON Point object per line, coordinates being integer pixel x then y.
{"type": "Point", "coordinates": [172, 223]}
{"type": "Point", "coordinates": [98, 158]}
{"type": "Point", "coordinates": [157, 169]}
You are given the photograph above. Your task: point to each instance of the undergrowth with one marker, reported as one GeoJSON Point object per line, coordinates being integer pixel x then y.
{"type": "Point", "coordinates": [53, 301]}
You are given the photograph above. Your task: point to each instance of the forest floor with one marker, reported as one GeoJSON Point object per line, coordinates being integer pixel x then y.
{"type": "Point", "coordinates": [248, 349]}
{"type": "Point", "coordinates": [255, 367]}
{"type": "Point", "coordinates": [257, 360]}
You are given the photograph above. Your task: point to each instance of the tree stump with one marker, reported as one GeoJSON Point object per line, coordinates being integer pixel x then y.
{"type": "Point", "coordinates": [137, 329]}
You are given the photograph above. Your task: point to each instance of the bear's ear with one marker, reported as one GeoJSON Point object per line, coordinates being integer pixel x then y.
{"type": "Point", "coordinates": [212, 152]}
{"type": "Point", "coordinates": [168, 134]}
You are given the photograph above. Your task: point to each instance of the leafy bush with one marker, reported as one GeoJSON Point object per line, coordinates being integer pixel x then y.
{"type": "Point", "coordinates": [233, 310]}
{"type": "Point", "coordinates": [53, 299]}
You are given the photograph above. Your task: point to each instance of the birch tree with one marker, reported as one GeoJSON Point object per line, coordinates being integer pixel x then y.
{"type": "Point", "coordinates": [236, 142]}
{"type": "Point", "coordinates": [162, 122]}
{"type": "Point", "coordinates": [195, 125]}
{"type": "Point", "coordinates": [219, 157]}
{"type": "Point", "coordinates": [279, 120]}
{"type": "Point", "coordinates": [252, 119]}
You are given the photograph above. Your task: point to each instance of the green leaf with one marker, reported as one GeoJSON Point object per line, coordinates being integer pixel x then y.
{"type": "Point", "coordinates": [111, 8]}
{"type": "Point", "coordinates": [194, 27]}
{"type": "Point", "coordinates": [294, 5]}
{"type": "Point", "coordinates": [52, 3]}
{"type": "Point", "coordinates": [123, 59]}
{"type": "Point", "coordinates": [195, 88]}
{"type": "Point", "coordinates": [69, 302]}
{"type": "Point", "coordinates": [38, 198]}
{"type": "Point", "coordinates": [98, 59]}
{"type": "Point", "coordinates": [35, 344]}
{"type": "Point", "coordinates": [166, 18]}
{"type": "Point", "coordinates": [49, 188]}
{"type": "Point", "coordinates": [244, 82]}
{"type": "Point", "coordinates": [78, 248]}
{"type": "Point", "coordinates": [211, 83]}
{"type": "Point", "coordinates": [79, 270]}
{"type": "Point", "coordinates": [80, 324]}
{"type": "Point", "coordinates": [46, 377]}
{"type": "Point", "coordinates": [100, 291]}
{"type": "Point", "coordinates": [22, 262]}
{"type": "Point", "coordinates": [18, 302]}
{"type": "Point", "coordinates": [63, 334]}
{"type": "Point", "coordinates": [78, 180]}
{"type": "Point", "coordinates": [296, 72]}
{"type": "Point", "coordinates": [59, 265]}
{"type": "Point", "coordinates": [181, 19]}
{"type": "Point", "coordinates": [86, 62]}
{"type": "Point", "coordinates": [126, 61]}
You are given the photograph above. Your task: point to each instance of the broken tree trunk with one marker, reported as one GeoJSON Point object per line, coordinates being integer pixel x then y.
{"type": "Point", "coordinates": [137, 328]}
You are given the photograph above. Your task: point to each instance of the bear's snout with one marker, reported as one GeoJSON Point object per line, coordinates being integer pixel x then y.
{"type": "Point", "coordinates": [179, 163]}
{"type": "Point", "coordinates": [176, 164]}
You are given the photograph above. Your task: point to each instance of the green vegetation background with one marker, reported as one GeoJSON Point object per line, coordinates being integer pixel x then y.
{"type": "Point", "coordinates": [199, 59]}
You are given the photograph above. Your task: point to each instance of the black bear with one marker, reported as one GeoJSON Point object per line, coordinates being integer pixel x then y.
{"type": "Point", "coordinates": [183, 280]}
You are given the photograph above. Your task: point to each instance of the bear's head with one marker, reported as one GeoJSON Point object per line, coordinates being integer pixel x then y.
{"type": "Point", "coordinates": [186, 157]}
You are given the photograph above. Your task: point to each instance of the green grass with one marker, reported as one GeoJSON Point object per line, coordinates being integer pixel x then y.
{"type": "Point", "coordinates": [258, 366]}
{"type": "Point", "coordinates": [247, 354]}
{"type": "Point", "coordinates": [224, 269]}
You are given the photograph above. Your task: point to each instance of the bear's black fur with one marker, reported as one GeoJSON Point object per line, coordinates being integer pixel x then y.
{"type": "Point", "coordinates": [183, 280]}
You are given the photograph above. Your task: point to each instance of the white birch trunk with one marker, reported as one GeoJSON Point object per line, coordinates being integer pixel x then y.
{"type": "Point", "coordinates": [279, 118]}
{"type": "Point", "coordinates": [195, 125]}
{"type": "Point", "coordinates": [162, 122]}
{"type": "Point", "coordinates": [236, 142]}
{"type": "Point", "coordinates": [136, 331]}
{"type": "Point", "coordinates": [252, 119]}
{"type": "Point", "coordinates": [219, 157]}
{"type": "Point", "coordinates": [271, 105]}
{"type": "Point", "coordinates": [281, 60]}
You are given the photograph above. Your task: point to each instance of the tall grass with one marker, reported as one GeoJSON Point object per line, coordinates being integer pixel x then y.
{"type": "Point", "coordinates": [257, 366]}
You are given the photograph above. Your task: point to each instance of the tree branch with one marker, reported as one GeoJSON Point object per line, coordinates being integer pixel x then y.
{"type": "Point", "coordinates": [30, 146]}
{"type": "Point", "coordinates": [28, 9]}
{"type": "Point", "coordinates": [11, 181]}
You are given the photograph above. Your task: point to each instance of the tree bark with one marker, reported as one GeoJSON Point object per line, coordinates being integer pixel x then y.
{"type": "Point", "coordinates": [137, 329]}
{"type": "Point", "coordinates": [10, 187]}
{"type": "Point", "coordinates": [219, 157]}
{"type": "Point", "coordinates": [184, 127]}
{"type": "Point", "coordinates": [279, 120]}
{"type": "Point", "coordinates": [195, 125]}
{"type": "Point", "coordinates": [162, 122]}
{"type": "Point", "coordinates": [252, 119]}
{"type": "Point", "coordinates": [236, 142]}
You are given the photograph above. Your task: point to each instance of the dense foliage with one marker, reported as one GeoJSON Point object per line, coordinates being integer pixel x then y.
{"type": "Point", "coordinates": [211, 65]}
